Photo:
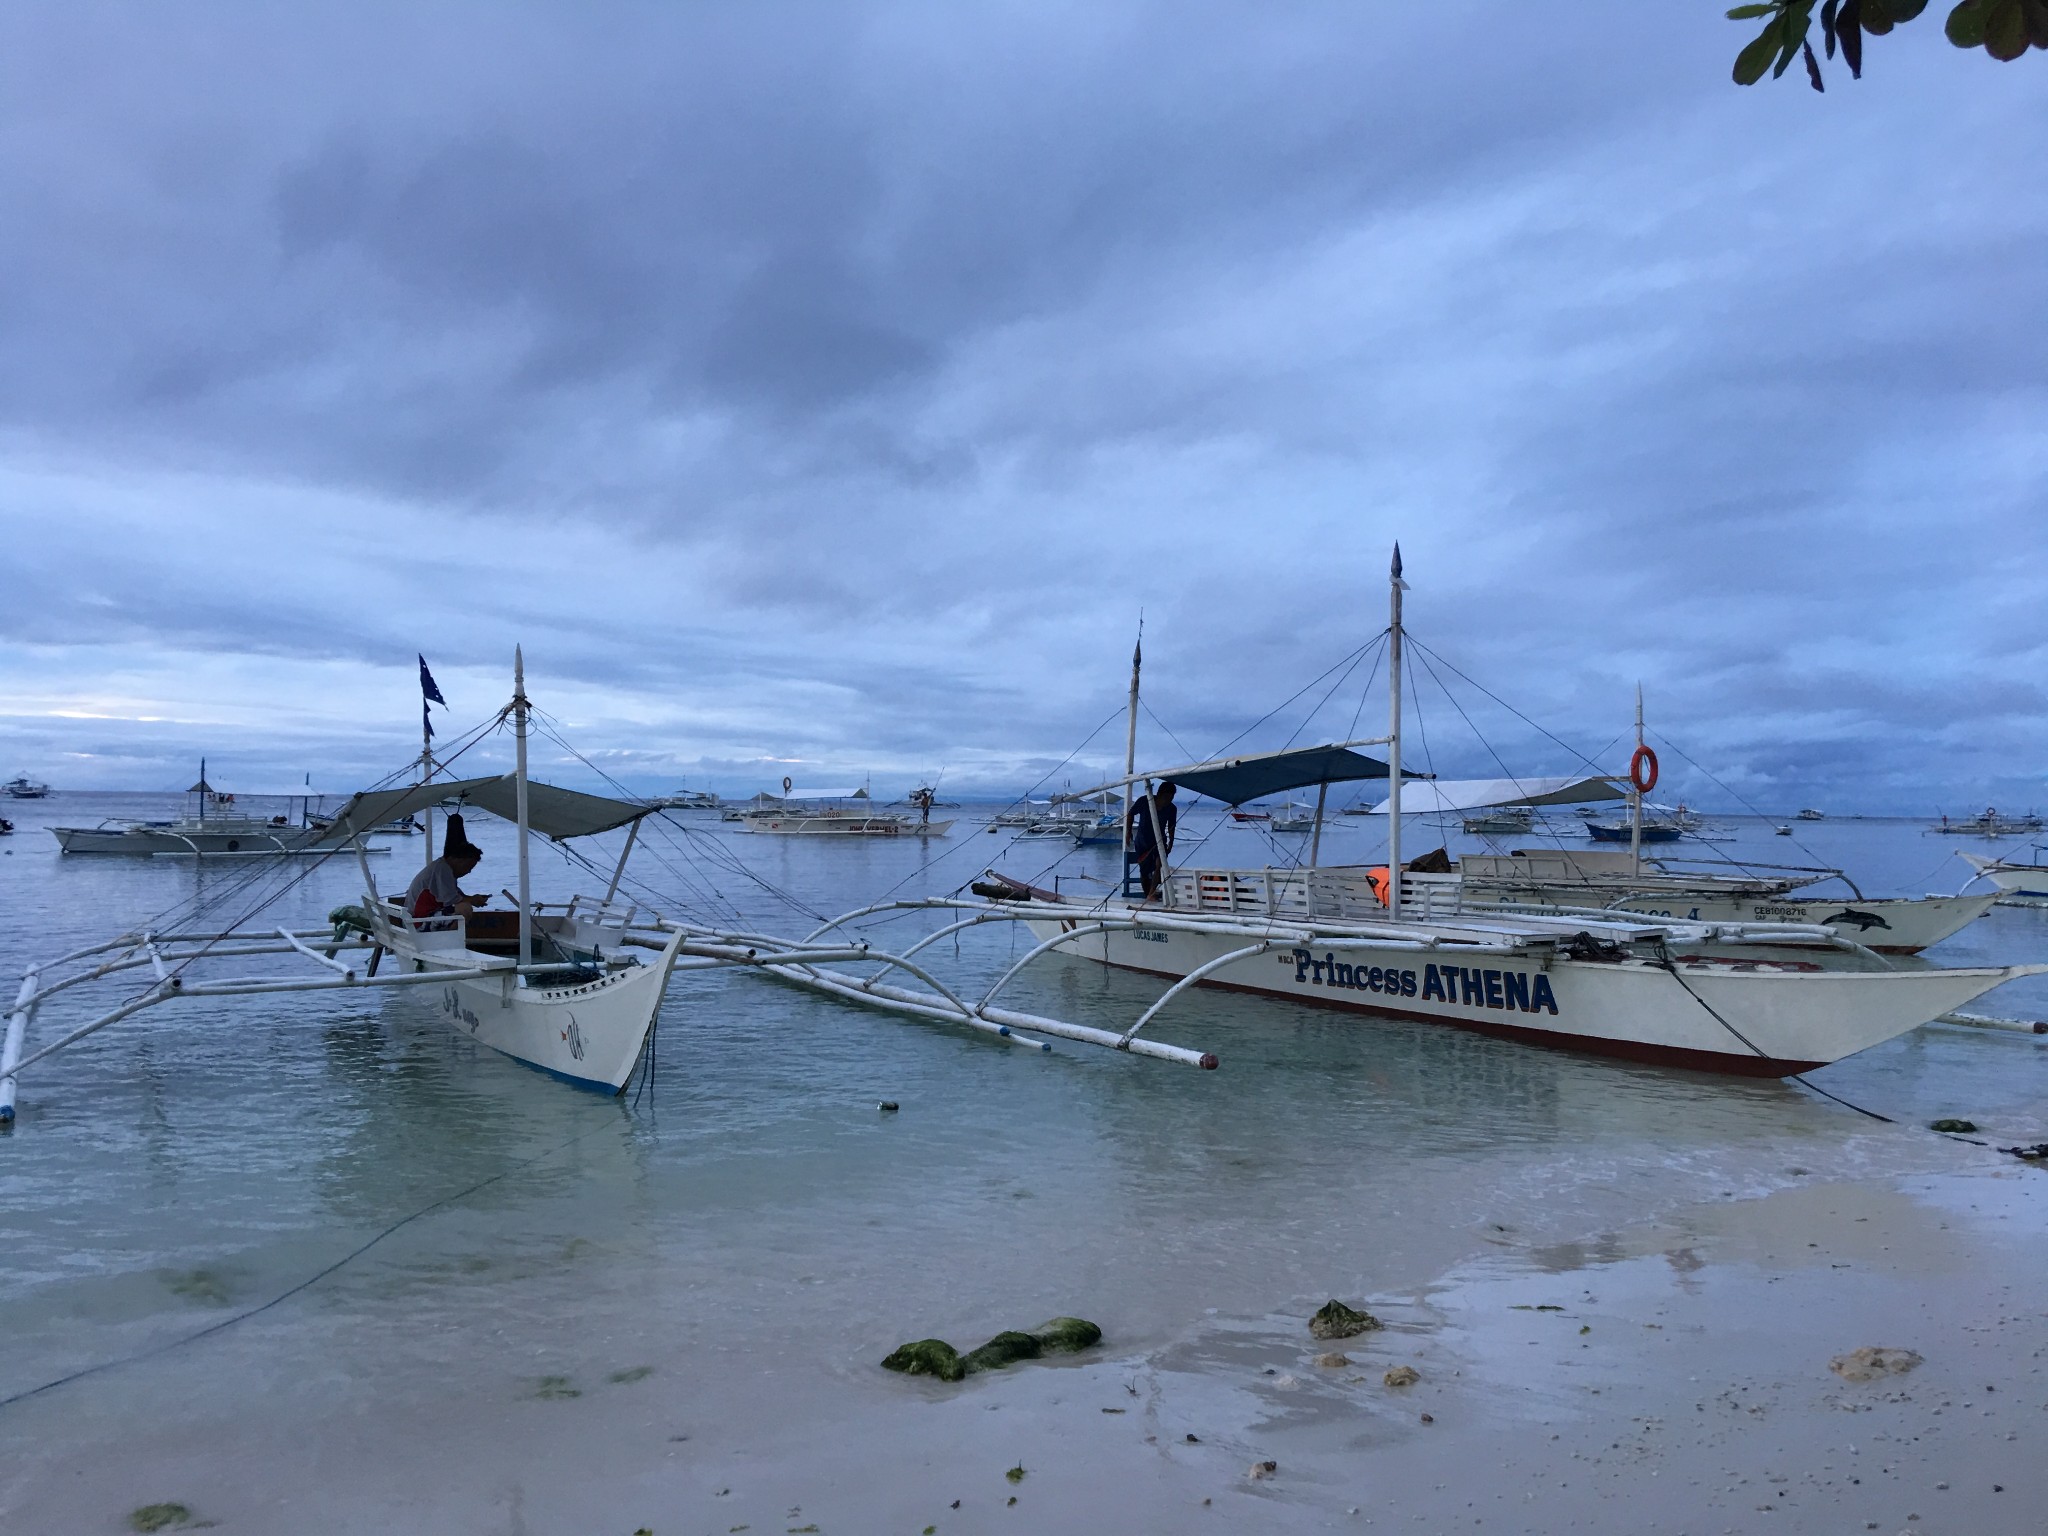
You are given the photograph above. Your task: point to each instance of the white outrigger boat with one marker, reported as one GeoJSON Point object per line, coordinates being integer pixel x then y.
{"type": "Point", "coordinates": [210, 828]}
{"type": "Point", "coordinates": [1739, 997]}
{"type": "Point", "coordinates": [2018, 884]}
{"type": "Point", "coordinates": [572, 989]}
{"type": "Point", "coordinates": [831, 813]}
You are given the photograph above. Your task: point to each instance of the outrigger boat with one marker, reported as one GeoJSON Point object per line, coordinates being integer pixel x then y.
{"type": "Point", "coordinates": [572, 989]}
{"type": "Point", "coordinates": [210, 828]}
{"type": "Point", "coordinates": [2018, 884]}
{"type": "Point", "coordinates": [1734, 997]}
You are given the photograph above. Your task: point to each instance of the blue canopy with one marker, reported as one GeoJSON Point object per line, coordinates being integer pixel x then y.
{"type": "Point", "coordinates": [1235, 780]}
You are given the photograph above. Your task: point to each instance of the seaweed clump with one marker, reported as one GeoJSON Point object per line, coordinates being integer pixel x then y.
{"type": "Point", "coordinates": [1334, 1320]}
{"type": "Point", "coordinates": [935, 1357]}
{"type": "Point", "coordinates": [927, 1357]}
{"type": "Point", "coordinates": [159, 1517]}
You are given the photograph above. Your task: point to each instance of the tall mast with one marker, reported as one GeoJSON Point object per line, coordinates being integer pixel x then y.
{"type": "Point", "coordinates": [202, 791]}
{"type": "Point", "coordinates": [1131, 745]}
{"type": "Point", "coordinates": [1635, 820]}
{"type": "Point", "coordinates": [427, 777]}
{"type": "Point", "coordinates": [1396, 586]}
{"type": "Point", "coordinates": [519, 707]}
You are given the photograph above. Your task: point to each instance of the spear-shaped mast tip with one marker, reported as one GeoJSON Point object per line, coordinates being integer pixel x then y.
{"type": "Point", "coordinates": [1397, 560]}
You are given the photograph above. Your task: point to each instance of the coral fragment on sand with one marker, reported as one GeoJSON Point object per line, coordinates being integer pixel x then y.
{"type": "Point", "coordinates": [159, 1517]}
{"type": "Point", "coordinates": [927, 1357]}
{"type": "Point", "coordinates": [1873, 1361]}
{"type": "Point", "coordinates": [1402, 1376]}
{"type": "Point", "coordinates": [1334, 1320]}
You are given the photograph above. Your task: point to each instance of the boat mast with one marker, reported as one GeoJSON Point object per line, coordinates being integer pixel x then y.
{"type": "Point", "coordinates": [519, 708]}
{"type": "Point", "coordinates": [202, 791]}
{"type": "Point", "coordinates": [1635, 820]}
{"type": "Point", "coordinates": [1131, 747]}
{"type": "Point", "coordinates": [1395, 588]}
{"type": "Point", "coordinates": [427, 777]}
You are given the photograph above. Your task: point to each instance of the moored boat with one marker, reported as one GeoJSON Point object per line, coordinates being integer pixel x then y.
{"type": "Point", "coordinates": [22, 787]}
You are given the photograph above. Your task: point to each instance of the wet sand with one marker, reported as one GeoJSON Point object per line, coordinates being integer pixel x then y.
{"type": "Point", "coordinates": [1672, 1378]}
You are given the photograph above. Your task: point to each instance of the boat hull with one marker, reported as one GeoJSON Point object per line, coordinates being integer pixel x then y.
{"type": "Point", "coordinates": [2019, 885]}
{"type": "Point", "coordinates": [150, 842]}
{"type": "Point", "coordinates": [843, 826]}
{"type": "Point", "coordinates": [1747, 1019]}
{"type": "Point", "coordinates": [589, 1034]}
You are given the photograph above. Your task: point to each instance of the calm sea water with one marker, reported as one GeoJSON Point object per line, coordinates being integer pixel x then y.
{"type": "Point", "coordinates": [204, 1158]}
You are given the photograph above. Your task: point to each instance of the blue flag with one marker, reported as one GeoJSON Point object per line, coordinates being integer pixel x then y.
{"type": "Point", "coordinates": [427, 688]}
{"type": "Point", "coordinates": [426, 720]}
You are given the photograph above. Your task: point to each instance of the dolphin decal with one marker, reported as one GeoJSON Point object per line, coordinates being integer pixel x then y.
{"type": "Point", "coordinates": [1862, 920]}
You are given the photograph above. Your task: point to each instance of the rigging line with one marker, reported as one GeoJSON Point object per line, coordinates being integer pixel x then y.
{"type": "Point", "coordinates": [311, 1280]}
{"type": "Point", "coordinates": [1797, 1077]}
{"type": "Point", "coordinates": [1347, 659]}
{"type": "Point", "coordinates": [1185, 750]}
{"type": "Point", "coordinates": [930, 864]}
{"type": "Point", "coordinates": [1365, 693]}
{"type": "Point", "coordinates": [1454, 670]}
{"type": "Point", "coordinates": [1738, 799]}
{"type": "Point", "coordinates": [1309, 719]}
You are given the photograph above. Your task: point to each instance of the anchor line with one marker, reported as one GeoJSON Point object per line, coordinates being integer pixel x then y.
{"type": "Point", "coordinates": [1797, 1077]}
{"type": "Point", "coordinates": [311, 1280]}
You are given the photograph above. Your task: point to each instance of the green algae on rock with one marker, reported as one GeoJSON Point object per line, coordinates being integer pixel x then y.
{"type": "Point", "coordinates": [935, 1357]}
{"type": "Point", "coordinates": [159, 1517]}
{"type": "Point", "coordinates": [1064, 1335]}
{"type": "Point", "coordinates": [1334, 1320]}
{"type": "Point", "coordinates": [927, 1357]}
{"type": "Point", "coordinates": [1005, 1348]}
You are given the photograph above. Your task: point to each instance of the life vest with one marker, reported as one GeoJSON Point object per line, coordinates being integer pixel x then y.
{"type": "Point", "coordinates": [1376, 877]}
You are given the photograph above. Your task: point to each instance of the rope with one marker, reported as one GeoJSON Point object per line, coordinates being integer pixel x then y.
{"type": "Point", "coordinates": [311, 1280]}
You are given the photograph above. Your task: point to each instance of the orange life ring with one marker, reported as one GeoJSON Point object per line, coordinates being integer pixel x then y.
{"type": "Point", "coordinates": [1635, 770]}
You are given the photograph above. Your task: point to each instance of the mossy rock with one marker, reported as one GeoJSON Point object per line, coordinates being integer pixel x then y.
{"type": "Point", "coordinates": [1334, 1320]}
{"type": "Point", "coordinates": [1064, 1335]}
{"type": "Point", "coordinates": [159, 1517]}
{"type": "Point", "coordinates": [1005, 1348]}
{"type": "Point", "coordinates": [927, 1357]}
{"type": "Point", "coordinates": [1954, 1127]}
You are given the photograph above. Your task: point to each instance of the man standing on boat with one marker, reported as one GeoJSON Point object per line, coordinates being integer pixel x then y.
{"type": "Point", "coordinates": [1145, 847]}
{"type": "Point", "coordinates": [436, 891]}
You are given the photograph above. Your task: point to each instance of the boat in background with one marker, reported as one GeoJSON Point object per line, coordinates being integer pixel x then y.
{"type": "Point", "coordinates": [836, 813]}
{"type": "Point", "coordinates": [1653, 831]}
{"type": "Point", "coordinates": [211, 827]}
{"type": "Point", "coordinates": [1990, 824]}
{"type": "Point", "coordinates": [2019, 884]}
{"type": "Point", "coordinates": [1506, 821]}
{"type": "Point", "coordinates": [686, 800]}
{"type": "Point", "coordinates": [1810, 815]}
{"type": "Point", "coordinates": [22, 787]}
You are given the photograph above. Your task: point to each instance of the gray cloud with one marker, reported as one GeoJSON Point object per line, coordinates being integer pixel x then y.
{"type": "Point", "coordinates": [839, 382]}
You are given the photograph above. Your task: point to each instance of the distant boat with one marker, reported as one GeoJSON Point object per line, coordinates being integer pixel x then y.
{"type": "Point", "coordinates": [1812, 816]}
{"type": "Point", "coordinates": [1990, 824]}
{"type": "Point", "coordinates": [1504, 821]}
{"type": "Point", "coordinates": [25, 788]}
{"type": "Point", "coordinates": [210, 827]}
{"type": "Point", "coordinates": [687, 800]}
{"type": "Point", "coordinates": [1294, 818]}
{"type": "Point", "coordinates": [1622, 832]}
{"type": "Point", "coordinates": [1784, 831]}
{"type": "Point", "coordinates": [819, 813]}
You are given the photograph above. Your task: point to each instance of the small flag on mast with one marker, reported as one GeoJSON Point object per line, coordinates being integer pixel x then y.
{"type": "Point", "coordinates": [430, 693]}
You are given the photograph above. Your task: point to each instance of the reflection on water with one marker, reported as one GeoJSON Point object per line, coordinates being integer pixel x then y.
{"type": "Point", "coordinates": [210, 1156]}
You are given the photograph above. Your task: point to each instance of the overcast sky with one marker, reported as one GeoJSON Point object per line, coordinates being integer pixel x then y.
{"type": "Point", "coordinates": [825, 389]}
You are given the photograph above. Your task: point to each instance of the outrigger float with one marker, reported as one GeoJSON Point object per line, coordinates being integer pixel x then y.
{"type": "Point", "coordinates": [572, 989]}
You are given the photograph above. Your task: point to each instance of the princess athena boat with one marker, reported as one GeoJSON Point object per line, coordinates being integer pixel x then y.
{"type": "Point", "coordinates": [1726, 996]}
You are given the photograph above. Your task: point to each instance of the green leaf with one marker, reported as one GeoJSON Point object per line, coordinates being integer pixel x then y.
{"type": "Point", "coordinates": [1849, 28]}
{"type": "Point", "coordinates": [1749, 12]}
{"type": "Point", "coordinates": [2005, 30]}
{"type": "Point", "coordinates": [1877, 17]}
{"type": "Point", "coordinates": [1798, 17]}
{"type": "Point", "coordinates": [1827, 24]}
{"type": "Point", "coordinates": [2037, 21]}
{"type": "Point", "coordinates": [1965, 26]}
{"type": "Point", "coordinates": [1751, 63]}
{"type": "Point", "coordinates": [1904, 10]}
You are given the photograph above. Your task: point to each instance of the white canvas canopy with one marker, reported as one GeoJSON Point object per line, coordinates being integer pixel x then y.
{"type": "Point", "coordinates": [550, 810]}
{"type": "Point", "coordinates": [1477, 794]}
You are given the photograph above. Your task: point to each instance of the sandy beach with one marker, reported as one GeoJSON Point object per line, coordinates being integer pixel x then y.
{"type": "Point", "coordinates": [1673, 1377]}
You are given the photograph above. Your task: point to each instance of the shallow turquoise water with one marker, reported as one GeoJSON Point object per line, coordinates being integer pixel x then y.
{"type": "Point", "coordinates": [206, 1158]}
